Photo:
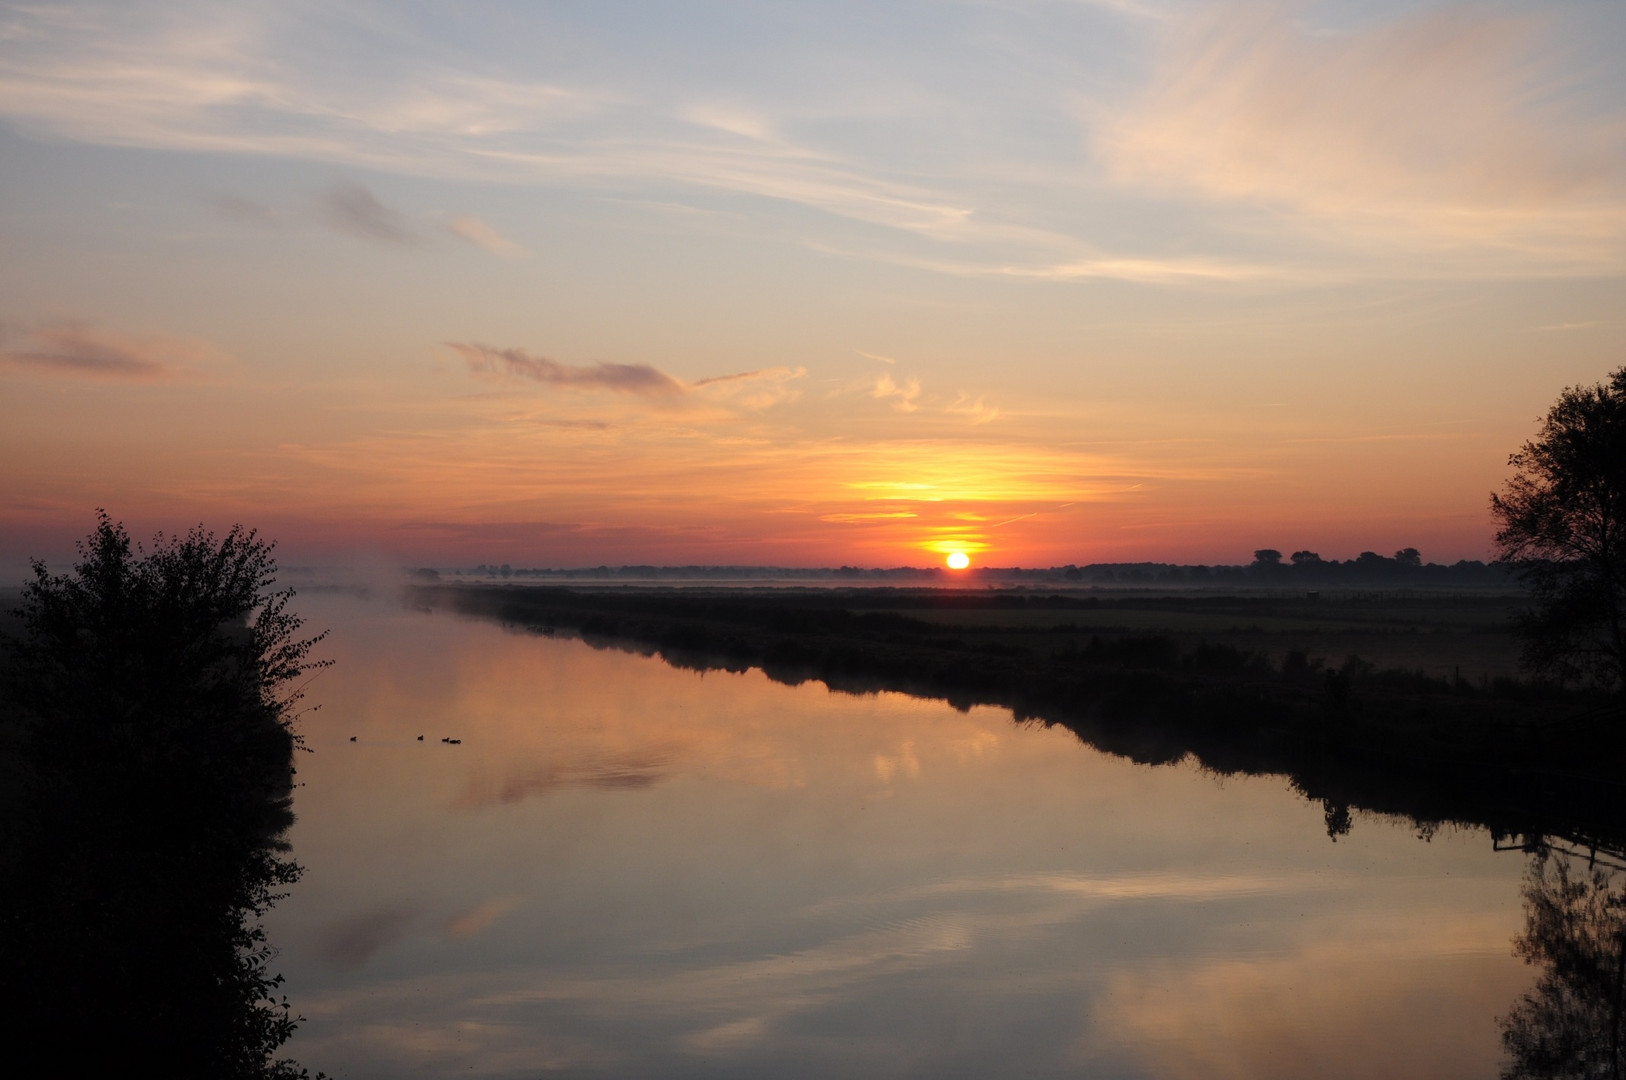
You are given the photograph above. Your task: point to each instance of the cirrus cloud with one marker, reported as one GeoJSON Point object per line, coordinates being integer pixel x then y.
{"type": "Point", "coordinates": [354, 209]}
{"type": "Point", "coordinates": [1439, 129]}
{"type": "Point", "coordinates": [472, 230]}
{"type": "Point", "coordinates": [637, 379]}
{"type": "Point", "coordinates": [904, 395]}
{"type": "Point", "coordinates": [73, 349]}
{"type": "Point", "coordinates": [753, 390]}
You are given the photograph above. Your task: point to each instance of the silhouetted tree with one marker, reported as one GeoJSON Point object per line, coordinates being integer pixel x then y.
{"type": "Point", "coordinates": [1562, 521]}
{"type": "Point", "coordinates": [1267, 557]}
{"type": "Point", "coordinates": [133, 633]}
{"type": "Point", "coordinates": [1570, 1025]}
{"type": "Point", "coordinates": [149, 705]}
{"type": "Point", "coordinates": [1409, 557]}
{"type": "Point", "coordinates": [1305, 558]}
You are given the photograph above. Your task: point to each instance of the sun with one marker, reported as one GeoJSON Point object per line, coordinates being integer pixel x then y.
{"type": "Point", "coordinates": [958, 560]}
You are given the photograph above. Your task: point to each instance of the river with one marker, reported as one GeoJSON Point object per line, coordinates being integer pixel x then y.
{"type": "Point", "coordinates": [626, 869]}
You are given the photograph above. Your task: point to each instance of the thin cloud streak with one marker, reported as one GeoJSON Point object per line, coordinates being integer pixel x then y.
{"type": "Point", "coordinates": [753, 390]}
{"type": "Point", "coordinates": [209, 85]}
{"type": "Point", "coordinates": [474, 231]}
{"type": "Point", "coordinates": [354, 209]}
{"type": "Point", "coordinates": [1450, 134]}
{"type": "Point", "coordinates": [1142, 271]}
{"type": "Point", "coordinates": [1434, 130]}
{"type": "Point", "coordinates": [973, 408]}
{"type": "Point", "coordinates": [243, 211]}
{"type": "Point", "coordinates": [638, 379]}
{"type": "Point", "coordinates": [784, 174]}
{"type": "Point", "coordinates": [76, 350]}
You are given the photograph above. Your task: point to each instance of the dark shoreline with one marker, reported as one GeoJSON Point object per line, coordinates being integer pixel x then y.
{"type": "Point", "coordinates": [1523, 761]}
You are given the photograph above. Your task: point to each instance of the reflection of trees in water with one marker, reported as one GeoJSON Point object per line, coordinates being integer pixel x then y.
{"type": "Point", "coordinates": [1434, 760]}
{"type": "Point", "coordinates": [1402, 746]}
{"type": "Point", "coordinates": [1570, 1025]}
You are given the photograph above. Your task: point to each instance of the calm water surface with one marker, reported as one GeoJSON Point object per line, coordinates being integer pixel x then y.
{"type": "Point", "coordinates": [631, 870]}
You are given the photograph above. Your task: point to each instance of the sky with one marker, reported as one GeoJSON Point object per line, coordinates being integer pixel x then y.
{"type": "Point", "coordinates": [802, 284]}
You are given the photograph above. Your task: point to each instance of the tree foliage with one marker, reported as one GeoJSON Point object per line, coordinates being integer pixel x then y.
{"type": "Point", "coordinates": [194, 622]}
{"type": "Point", "coordinates": [1562, 528]}
{"type": "Point", "coordinates": [150, 699]}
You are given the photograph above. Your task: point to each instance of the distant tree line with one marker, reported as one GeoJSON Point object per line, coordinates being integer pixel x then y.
{"type": "Point", "coordinates": [1404, 569]}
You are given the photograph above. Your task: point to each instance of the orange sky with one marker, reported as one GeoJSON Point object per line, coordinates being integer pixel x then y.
{"type": "Point", "coordinates": [1108, 281]}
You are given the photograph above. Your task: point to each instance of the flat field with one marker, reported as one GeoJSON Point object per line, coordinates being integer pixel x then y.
{"type": "Point", "coordinates": [1443, 635]}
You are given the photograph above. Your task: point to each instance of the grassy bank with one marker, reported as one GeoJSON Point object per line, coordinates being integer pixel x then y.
{"type": "Point", "coordinates": [1435, 728]}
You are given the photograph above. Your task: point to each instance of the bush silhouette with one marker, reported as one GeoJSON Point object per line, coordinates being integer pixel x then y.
{"type": "Point", "coordinates": [150, 698]}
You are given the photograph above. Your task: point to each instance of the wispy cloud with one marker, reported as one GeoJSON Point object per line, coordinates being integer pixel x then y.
{"type": "Point", "coordinates": [736, 121]}
{"type": "Point", "coordinates": [1461, 132]}
{"type": "Point", "coordinates": [1441, 129]}
{"type": "Point", "coordinates": [973, 408]}
{"type": "Point", "coordinates": [869, 518]}
{"type": "Point", "coordinates": [754, 390]}
{"type": "Point", "coordinates": [750, 390]}
{"type": "Point", "coordinates": [209, 81]}
{"type": "Point", "coordinates": [904, 396]}
{"type": "Point", "coordinates": [479, 917]}
{"type": "Point", "coordinates": [1566, 327]}
{"type": "Point", "coordinates": [1130, 8]}
{"type": "Point", "coordinates": [561, 422]}
{"type": "Point", "coordinates": [245, 211]}
{"type": "Point", "coordinates": [909, 395]}
{"type": "Point", "coordinates": [354, 209]}
{"type": "Point", "coordinates": [1044, 266]}
{"type": "Point", "coordinates": [77, 350]}
{"type": "Point", "coordinates": [781, 172]}
{"type": "Point", "coordinates": [638, 379]}
{"type": "Point", "coordinates": [481, 235]}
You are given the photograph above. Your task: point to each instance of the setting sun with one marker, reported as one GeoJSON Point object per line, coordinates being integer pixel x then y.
{"type": "Point", "coordinates": [958, 560]}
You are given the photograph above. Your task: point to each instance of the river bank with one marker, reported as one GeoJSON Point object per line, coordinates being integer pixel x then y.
{"type": "Point", "coordinates": [1242, 684]}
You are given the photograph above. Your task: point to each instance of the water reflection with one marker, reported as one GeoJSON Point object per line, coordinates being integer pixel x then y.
{"type": "Point", "coordinates": [634, 870]}
{"type": "Point", "coordinates": [1570, 1025]}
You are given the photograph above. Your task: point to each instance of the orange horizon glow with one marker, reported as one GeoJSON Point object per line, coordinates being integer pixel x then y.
{"type": "Point", "coordinates": [493, 487]}
{"type": "Point", "coordinates": [533, 314]}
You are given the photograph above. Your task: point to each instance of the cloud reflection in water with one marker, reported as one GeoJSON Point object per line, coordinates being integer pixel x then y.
{"type": "Point", "coordinates": [635, 871]}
